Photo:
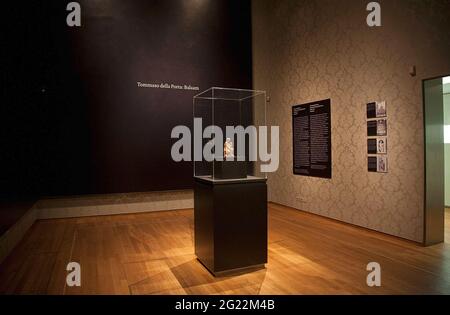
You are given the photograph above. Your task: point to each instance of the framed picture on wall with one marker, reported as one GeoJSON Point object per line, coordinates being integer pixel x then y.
{"type": "Point", "coordinates": [372, 146]}
{"type": "Point", "coordinates": [371, 110]}
{"type": "Point", "coordinates": [382, 164]}
{"type": "Point", "coordinates": [381, 127]}
{"type": "Point", "coordinates": [381, 109]}
{"type": "Point", "coordinates": [372, 163]}
{"type": "Point", "coordinates": [372, 128]}
{"type": "Point", "coordinates": [381, 145]}
{"type": "Point", "coordinates": [378, 164]}
{"type": "Point", "coordinates": [376, 110]}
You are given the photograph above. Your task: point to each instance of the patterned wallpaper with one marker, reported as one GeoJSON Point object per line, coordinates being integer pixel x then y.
{"type": "Point", "coordinates": [316, 49]}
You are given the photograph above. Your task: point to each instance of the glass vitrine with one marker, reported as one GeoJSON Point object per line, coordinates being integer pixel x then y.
{"type": "Point", "coordinates": [226, 133]}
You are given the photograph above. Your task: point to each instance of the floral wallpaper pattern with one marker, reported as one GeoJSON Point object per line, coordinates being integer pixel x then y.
{"type": "Point", "coordinates": [317, 49]}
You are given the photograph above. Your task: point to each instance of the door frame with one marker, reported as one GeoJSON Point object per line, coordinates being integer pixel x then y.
{"type": "Point", "coordinates": [432, 219]}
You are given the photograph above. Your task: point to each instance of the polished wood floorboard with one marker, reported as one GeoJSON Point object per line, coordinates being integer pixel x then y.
{"type": "Point", "coordinates": [447, 225]}
{"type": "Point", "coordinates": [153, 253]}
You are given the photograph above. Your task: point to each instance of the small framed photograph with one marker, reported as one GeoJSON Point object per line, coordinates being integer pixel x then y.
{"type": "Point", "coordinates": [382, 164]}
{"type": "Point", "coordinates": [381, 145]}
{"type": "Point", "coordinates": [372, 164]}
{"type": "Point", "coordinates": [371, 110]}
{"type": "Point", "coordinates": [381, 109]}
{"type": "Point", "coordinates": [371, 128]}
{"type": "Point", "coordinates": [372, 146]}
{"type": "Point", "coordinates": [381, 127]}
{"type": "Point", "coordinates": [376, 110]}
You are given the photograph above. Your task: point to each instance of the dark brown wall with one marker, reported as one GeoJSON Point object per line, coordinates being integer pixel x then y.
{"type": "Point", "coordinates": [75, 121]}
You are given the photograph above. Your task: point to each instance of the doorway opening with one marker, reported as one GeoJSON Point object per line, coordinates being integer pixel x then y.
{"type": "Point", "coordinates": [436, 93]}
{"type": "Point", "coordinates": [446, 88]}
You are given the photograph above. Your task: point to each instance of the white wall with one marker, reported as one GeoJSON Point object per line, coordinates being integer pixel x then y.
{"type": "Point", "coordinates": [447, 150]}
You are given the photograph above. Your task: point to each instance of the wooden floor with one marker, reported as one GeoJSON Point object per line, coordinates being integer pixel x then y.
{"type": "Point", "coordinates": [154, 254]}
{"type": "Point", "coordinates": [447, 225]}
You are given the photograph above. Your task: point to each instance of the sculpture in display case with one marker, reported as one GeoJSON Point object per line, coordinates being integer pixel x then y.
{"type": "Point", "coordinates": [231, 167]}
{"type": "Point", "coordinates": [220, 108]}
{"type": "Point", "coordinates": [228, 150]}
{"type": "Point", "coordinates": [230, 191]}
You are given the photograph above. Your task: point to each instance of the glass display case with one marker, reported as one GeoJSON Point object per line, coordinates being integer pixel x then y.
{"type": "Point", "coordinates": [228, 123]}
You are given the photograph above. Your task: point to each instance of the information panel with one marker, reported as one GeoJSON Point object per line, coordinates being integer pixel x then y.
{"type": "Point", "coordinates": [311, 127]}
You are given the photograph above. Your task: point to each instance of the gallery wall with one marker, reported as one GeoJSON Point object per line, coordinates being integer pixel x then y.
{"type": "Point", "coordinates": [74, 119]}
{"type": "Point", "coordinates": [447, 149]}
{"type": "Point", "coordinates": [305, 51]}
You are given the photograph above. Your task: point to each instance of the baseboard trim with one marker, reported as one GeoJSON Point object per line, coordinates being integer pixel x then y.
{"type": "Point", "coordinates": [95, 205]}
{"type": "Point", "coordinates": [102, 205]}
{"type": "Point", "coordinates": [11, 238]}
{"type": "Point", "coordinates": [363, 228]}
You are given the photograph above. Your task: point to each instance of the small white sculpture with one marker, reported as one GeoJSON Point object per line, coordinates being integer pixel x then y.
{"type": "Point", "coordinates": [228, 150]}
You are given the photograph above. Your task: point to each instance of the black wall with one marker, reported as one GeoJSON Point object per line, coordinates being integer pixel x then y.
{"type": "Point", "coordinates": [73, 120]}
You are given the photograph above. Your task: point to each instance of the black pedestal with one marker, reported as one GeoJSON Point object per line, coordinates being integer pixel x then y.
{"type": "Point", "coordinates": [230, 169]}
{"type": "Point", "coordinates": [230, 223]}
